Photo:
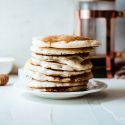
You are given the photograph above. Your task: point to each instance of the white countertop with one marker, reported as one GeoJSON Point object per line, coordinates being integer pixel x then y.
{"type": "Point", "coordinates": [107, 107]}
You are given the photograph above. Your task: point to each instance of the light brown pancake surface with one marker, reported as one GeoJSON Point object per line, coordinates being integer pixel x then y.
{"type": "Point", "coordinates": [39, 84]}
{"type": "Point", "coordinates": [40, 69]}
{"type": "Point", "coordinates": [43, 77]}
{"type": "Point", "coordinates": [66, 38]}
{"type": "Point", "coordinates": [64, 41]}
{"type": "Point", "coordinates": [62, 89]}
{"type": "Point", "coordinates": [66, 67]}
{"type": "Point", "coordinates": [74, 61]}
{"type": "Point", "coordinates": [60, 51]}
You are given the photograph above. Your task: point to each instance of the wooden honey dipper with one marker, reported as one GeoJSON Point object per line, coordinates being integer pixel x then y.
{"type": "Point", "coordinates": [4, 78]}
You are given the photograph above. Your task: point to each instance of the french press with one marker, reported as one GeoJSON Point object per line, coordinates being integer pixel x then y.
{"type": "Point", "coordinates": [96, 19]}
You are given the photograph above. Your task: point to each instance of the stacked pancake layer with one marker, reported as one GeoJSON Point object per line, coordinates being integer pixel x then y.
{"type": "Point", "coordinates": [60, 63]}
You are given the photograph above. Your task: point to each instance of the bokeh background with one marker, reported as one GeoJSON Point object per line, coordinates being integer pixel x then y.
{"type": "Point", "coordinates": [20, 20]}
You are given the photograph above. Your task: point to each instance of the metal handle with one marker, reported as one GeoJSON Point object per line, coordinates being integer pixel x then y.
{"type": "Point", "coordinates": [88, 14]}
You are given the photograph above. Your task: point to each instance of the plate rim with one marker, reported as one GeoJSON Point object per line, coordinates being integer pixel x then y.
{"type": "Point", "coordinates": [24, 88]}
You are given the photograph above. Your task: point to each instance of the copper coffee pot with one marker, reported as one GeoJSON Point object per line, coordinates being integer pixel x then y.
{"type": "Point", "coordinates": [94, 12]}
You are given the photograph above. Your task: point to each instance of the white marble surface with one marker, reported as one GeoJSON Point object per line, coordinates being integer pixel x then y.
{"type": "Point", "coordinates": [107, 107]}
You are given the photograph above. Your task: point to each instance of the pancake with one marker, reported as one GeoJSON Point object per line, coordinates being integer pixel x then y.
{"type": "Point", "coordinates": [64, 41]}
{"type": "Point", "coordinates": [62, 89]}
{"type": "Point", "coordinates": [39, 84]}
{"type": "Point", "coordinates": [60, 51]}
{"type": "Point", "coordinates": [40, 69]}
{"type": "Point", "coordinates": [60, 63]}
{"type": "Point", "coordinates": [58, 66]}
{"type": "Point", "coordinates": [72, 60]}
{"type": "Point", "coordinates": [43, 77]}
{"type": "Point", "coordinates": [52, 65]}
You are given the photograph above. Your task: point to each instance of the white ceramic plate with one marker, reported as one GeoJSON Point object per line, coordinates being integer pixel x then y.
{"type": "Point", "coordinates": [93, 86]}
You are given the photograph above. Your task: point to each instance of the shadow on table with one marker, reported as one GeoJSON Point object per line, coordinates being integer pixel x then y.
{"type": "Point", "coordinates": [95, 98]}
{"type": "Point", "coordinates": [73, 101]}
{"type": "Point", "coordinates": [107, 96]}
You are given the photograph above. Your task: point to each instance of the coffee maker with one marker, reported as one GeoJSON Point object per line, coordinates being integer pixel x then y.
{"type": "Point", "coordinates": [96, 19]}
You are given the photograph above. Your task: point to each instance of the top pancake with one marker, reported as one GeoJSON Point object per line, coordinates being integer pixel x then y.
{"type": "Point", "coordinates": [64, 41]}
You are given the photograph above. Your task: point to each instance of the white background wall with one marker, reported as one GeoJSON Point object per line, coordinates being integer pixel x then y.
{"type": "Point", "coordinates": [20, 20]}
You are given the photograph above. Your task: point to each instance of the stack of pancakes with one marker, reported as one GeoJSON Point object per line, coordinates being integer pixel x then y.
{"type": "Point", "coordinates": [60, 63]}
